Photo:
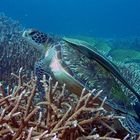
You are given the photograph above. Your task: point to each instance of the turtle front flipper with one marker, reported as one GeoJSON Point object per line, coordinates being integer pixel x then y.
{"type": "Point", "coordinates": [131, 124]}
{"type": "Point", "coordinates": [40, 72]}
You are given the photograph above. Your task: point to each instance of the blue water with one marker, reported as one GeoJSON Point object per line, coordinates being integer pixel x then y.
{"type": "Point", "coordinates": [105, 18]}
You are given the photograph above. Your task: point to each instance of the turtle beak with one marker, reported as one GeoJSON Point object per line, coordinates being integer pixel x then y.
{"type": "Point", "coordinates": [26, 33]}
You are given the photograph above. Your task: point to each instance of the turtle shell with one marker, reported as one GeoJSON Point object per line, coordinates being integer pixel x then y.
{"type": "Point", "coordinates": [78, 71]}
{"type": "Point", "coordinates": [100, 45]}
{"type": "Point", "coordinates": [70, 66]}
{"type": "Point", "coordinates": [71, 61]}
{"type": "Point", "coordinates": [96, 56]}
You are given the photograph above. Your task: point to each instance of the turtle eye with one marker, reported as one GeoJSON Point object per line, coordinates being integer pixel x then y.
{"type": "Point", "coordinates": [38, 37]}
{"type": "Point", "coordinates": [33, 32]}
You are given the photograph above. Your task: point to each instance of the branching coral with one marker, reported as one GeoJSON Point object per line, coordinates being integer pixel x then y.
{"type": "Point", "coordinates": [15, 52]}
{"type": "Point", "coordinates": [61, 116]}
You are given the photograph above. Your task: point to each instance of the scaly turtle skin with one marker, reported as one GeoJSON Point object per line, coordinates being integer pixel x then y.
{"type": "Point", "coordinates": [72, 62]}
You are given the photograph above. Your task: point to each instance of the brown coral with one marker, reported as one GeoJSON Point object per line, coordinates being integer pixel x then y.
{"type": "Point", "coordinates": [61, 116]}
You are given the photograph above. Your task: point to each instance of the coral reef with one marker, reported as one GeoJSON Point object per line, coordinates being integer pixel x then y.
{"type": "Point", "coordinates": [15, 52]}
{"type": "Point", "coordinates": [126, 43]}
{"type": "Point", "coordinates": [62, 116]}
{"type": "Point", "coordinates": [124, 55]}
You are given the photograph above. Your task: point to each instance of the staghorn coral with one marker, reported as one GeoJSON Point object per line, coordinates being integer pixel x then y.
{"type": "Point", "coordinates": [62, 116]}
{"type": "Point", "coordinates": [15, 52]}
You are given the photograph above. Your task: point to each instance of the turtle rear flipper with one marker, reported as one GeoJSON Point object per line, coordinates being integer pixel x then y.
{"type": "Point", "coordinates": [131, 124]}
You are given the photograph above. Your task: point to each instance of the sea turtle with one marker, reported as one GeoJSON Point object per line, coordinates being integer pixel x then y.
{"type": "Point", "coordinates": [72, 62]}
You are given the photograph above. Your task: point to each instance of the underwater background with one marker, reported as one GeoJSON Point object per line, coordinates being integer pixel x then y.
{"type": "Point", "coordinates": [31, 108]}
{"type": "Point", "coordinates": [103, 18]}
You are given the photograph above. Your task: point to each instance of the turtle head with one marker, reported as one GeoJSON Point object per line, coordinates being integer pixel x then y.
{"type": "Point", "coordinates": [37, 39]}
